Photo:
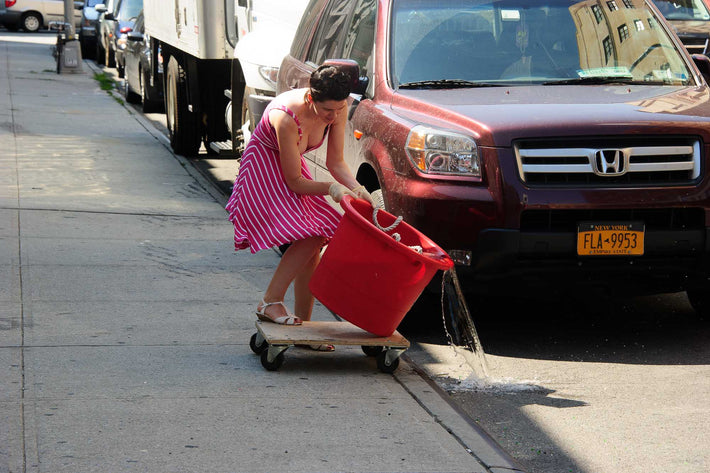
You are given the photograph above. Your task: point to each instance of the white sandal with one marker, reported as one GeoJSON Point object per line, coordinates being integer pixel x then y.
{"type": "Point", "coordinates": [288, 319]}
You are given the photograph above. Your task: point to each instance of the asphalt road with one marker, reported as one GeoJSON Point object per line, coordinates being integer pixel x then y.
{"type": "Point", "coordinates": [586, 385]}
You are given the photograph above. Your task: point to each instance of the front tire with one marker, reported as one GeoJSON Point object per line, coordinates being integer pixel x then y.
{"type": "Point", "coordinates": [378, 199]}
{"type": "Point", "coordinates": [149, 105]}
{"type": "Point", "coordinates": [119, 67]}
{"type": "Point", "coordinates": [131, 97]}
{"type": "Point", "coordinates": [108, 58]}
{"type": "Point", "coordinates": [182, 124]}
{"type": "Point", "coordinates": [31, 22]}
{"type": "Point", "coordinates": [100, 53]}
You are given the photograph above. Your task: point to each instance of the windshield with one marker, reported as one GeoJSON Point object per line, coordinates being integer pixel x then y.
{"type": "Point", "coordinates": [130, 9]}
{"type": "Point", "coordinates": [469, 43]}
{"type": "Point", "coordinates": [683, 9]}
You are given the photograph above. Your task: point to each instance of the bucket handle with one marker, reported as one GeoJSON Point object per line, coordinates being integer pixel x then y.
{"type": "Point", "coordinates": [396, 236]}
{"type": "Point", "coordinates": [397, 221]}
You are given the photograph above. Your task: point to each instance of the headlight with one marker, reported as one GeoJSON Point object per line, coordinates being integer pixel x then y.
{"type": "Point", "coordinates": [269, 74]}
{"type": "Point", "coordinates": [435, 151]}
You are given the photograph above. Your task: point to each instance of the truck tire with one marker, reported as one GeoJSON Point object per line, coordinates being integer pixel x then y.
{"type": "Point", "coordinates": [182, 125]}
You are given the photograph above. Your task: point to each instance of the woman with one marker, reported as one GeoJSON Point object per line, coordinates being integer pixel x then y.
{"type": "Point", "coordinates": [276, 201]}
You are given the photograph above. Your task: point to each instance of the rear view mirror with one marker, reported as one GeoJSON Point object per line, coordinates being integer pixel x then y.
{"type": "Point", "coordinates": [135, 36]}
{"type": "Point", "coordinates": [703, 64]}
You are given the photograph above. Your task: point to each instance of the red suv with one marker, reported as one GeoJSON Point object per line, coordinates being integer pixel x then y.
{"type": "Point", "coordinates": [541, 143]}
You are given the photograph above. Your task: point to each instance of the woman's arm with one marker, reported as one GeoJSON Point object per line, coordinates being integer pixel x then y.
{"type": "Point", "coordinates": [334, 160]}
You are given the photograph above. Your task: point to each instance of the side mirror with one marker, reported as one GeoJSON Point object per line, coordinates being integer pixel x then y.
{"type": "Point", "coordinates": [135, 36]}
{"type": "Point", "coordinates": [351, 68]}
{"type": "Point", "coordinates": [101, 8]}
{"type": "Point", "coordinates": [703, 64]}
{"type": "Point", "coordinates": [78, 5]}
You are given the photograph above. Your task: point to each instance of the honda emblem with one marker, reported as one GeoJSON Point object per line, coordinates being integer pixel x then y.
{"type": "Point", "coordinates": [610, 162]}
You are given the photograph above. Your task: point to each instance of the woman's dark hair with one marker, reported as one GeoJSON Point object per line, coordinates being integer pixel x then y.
{"type": "Point", "coordinates": [329, 83]}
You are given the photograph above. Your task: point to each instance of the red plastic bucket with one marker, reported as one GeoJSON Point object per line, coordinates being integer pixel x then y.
{"type": "Point", "coordinates": [368, 278]}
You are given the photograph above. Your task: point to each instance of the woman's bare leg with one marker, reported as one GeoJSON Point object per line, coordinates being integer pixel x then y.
{"type": "Point", "coordinates": [304, 298]}
{"type": "Point", "coordinates": [299, 255]}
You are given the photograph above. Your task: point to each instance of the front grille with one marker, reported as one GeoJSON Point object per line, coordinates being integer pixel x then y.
{"type": "Point", "coordinates": [609, 163]}
{"type": "Point", "coordinates": [695, 44]}
{"type": "Point", "coordinates": [654, 219]}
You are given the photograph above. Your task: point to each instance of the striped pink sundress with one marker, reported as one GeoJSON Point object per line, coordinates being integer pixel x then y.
{"type": "Point", "coordinates": [264, 211]}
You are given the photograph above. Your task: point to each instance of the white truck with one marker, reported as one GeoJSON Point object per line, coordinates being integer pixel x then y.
{"type": "Point", "coordinates": [202, 76]}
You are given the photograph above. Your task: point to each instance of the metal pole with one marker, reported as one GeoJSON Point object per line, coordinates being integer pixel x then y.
{"type": "Point", "coordinates": [70, 59]}
{"type": "Point", "coordinates": [69, 18]}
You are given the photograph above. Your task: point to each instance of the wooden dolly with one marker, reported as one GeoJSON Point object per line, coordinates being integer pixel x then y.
{"type": "Point", "coordinates": [272, 340]}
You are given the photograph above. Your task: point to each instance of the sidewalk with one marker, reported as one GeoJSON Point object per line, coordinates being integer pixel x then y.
{"type": "Point", "coordinates": [125, 315]}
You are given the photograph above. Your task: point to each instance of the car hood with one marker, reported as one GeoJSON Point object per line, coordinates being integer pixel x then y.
{"type": "Point", "coordinates": [498, 115]}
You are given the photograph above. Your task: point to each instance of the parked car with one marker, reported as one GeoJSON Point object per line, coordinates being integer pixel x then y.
{"type": "Point", "coordinates": [107, 13]}
{"type": "Point", "coordinates": [141, 85]}
{"type": "Point", "coordinates": [265, 30]}
{"type": "Point", "coordinates": [89, 28]}
{"type": "Point", "coordinates": [126, 14]}
{"type": "Point", "coordinates": [33, 15]}
{"type": "Point", "coordinates": [545, 145]}
{"type": "Point", "coordinates": [691, 19]}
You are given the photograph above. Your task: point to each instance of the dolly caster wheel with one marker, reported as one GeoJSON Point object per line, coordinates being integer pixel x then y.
{"type": "Point", "coordinates": [385, 365]}
{"type": "Point", "coordinates": [370, 350]}
{"type": "Point", "coordinates": [271, 365]}
{"type": "Point", "coordinates": [257, 344]}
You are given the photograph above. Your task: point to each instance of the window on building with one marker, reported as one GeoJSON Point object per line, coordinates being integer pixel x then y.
{"type": "Point", "coordinates": [623, 32]}
{"type": "Point", "coordinates": [597, 13]}
{"type": "Point", "coordinates": [639, 25]}
{"type": "Point", "coordinates": [608, 49]}
{"type": "Point", "coordinates": [612, 5]}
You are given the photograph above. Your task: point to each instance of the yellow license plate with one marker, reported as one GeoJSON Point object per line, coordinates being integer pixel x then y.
{"type": "Point", "coordinates": [610, 238]}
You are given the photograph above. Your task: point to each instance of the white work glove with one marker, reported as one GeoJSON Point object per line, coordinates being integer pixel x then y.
{"type": "Point", "coordinates": [337, 191]}
{"type": "Point", "coordinates": [361, 193]}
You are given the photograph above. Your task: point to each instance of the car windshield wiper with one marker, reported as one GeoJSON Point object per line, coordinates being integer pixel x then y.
{"type": "Point", "coordinates": [445, 84]}
{"type": "Point", "coordinates": [603, 80]}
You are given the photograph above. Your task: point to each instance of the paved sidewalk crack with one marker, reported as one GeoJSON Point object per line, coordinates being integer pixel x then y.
{"type": "Point", "coordinates": [13, 128]}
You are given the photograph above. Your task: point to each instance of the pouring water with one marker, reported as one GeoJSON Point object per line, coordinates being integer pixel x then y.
{"type": "Point", "coordinates": [460, 330]}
